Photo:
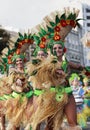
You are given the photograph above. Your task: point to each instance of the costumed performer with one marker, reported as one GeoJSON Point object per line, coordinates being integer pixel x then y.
{"type": "Point", "coordinates": [63, 25]}
{"type": "Point", "coordinates": [20, 98]}
{"type": "Point", "coordinates": [59, 25]}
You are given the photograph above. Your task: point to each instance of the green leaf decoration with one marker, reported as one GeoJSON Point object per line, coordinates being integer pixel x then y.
{"type": "Point", "coordinates": [78, 24]}
{"type": "Point", "coordinates": [25, 36]}
{"type": "Point", "coordinates": [9, 51]}
{"type": "Point", "coordinates": [52, 24]}
{"type": "Point", "coordinates": [74, 17]}
{"type": "Point", "coordinates": [29, 36]}
{"type": "Point", "coordinates": [80, 19]}
{"type": "Point", "coordinates": [40, 34]}
{"type": "Point", "coordinates": [20, 35]}
{"type": "Point", "coordinates": [51, 36]}
{"type": "Point", "coordinates": [43, 32]}
{"type": "Point", "coordinates": [64, 65]}
{"type": "Point", "coordinates": [13, 50]}
{"type": "Point", "coordinates": [51, 30]}
{"type": "Point", "coordinates": [87, 68]}
{"type": "Point", "coordinates": [4, 60]}
{"type": "Point", "coordinates": [70, 16]}
{"type": "Point", "coordinates": [37, 39]}
{"type": "Point", "coordinates": [50, 45]}
{"type": "Point", "coordinates": [18, 40]}
{"type": "Point", "coordinates": [15, 56]}
{"type": "Point", "coordinates": [16, 43]}
{"type": "Point", "coordinates": [57, 19]}
{"type": "Point", "coordinates": [34, 53]}
{"type": "Point", "coordinates": [63, 16]}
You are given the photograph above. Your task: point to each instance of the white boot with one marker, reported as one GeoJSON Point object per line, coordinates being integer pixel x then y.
{"type": "Point", "coordinates": [71, 128]}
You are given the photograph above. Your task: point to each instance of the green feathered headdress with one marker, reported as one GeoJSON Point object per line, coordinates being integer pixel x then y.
{"type": "Point", "coordinates": [73, 77]}
{"type": "Point", "coordinates": [16, 49]}
{"type": "Point", "coordinates": [55, 28]}
{"type": "Point", "coordinates": [59, 24]}
{"type": "Point", "coordinates": [37, 48]}
{"type": "Point", "coordinates": [52, 43]}
{"type": "Point", "coordinates": [23, 42]}
{"type": "Point", "coordinates": [16, 56]}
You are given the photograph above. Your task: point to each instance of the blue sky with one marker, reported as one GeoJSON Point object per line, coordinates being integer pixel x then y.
{"type": "Point", "coordinates": [25, 14]}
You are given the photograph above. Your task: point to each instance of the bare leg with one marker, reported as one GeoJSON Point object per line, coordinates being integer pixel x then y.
{"type": "Point", "coordinates": [35, 108]}
{"type": "Point", "coordinates": [71, 115]}
{"type": "Point", "coordinates": [17, 128]}
{"type": "Point", "coordinates": [2, 122]}
{"type": "Point", "coordinates": [49, 125]}
{"type": "Point", "coordinates": [38, 127]}
{"type": "Point", "coordinates": [70, 111]}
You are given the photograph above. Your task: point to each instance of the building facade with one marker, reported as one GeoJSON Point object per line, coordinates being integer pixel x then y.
{"type": "Point", "coordinates": [86, 28]}
{"type": "Point", "coordinates": [74, 47]}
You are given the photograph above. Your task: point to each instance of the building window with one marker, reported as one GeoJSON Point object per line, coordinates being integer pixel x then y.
{"type": "Point", "coordinates": [88, 17]}
{"type": "Point", "coordinates": [72, 46]}
{"type": "Point", "coordinates": [87, 10]}
{"type": "Point", "coordinates": [88, 24]}
{"type": "Point", "coordinates": [85, 61]}
{"type": "Point", "coordinates": [76, 47]}
{"type": "Point", "coordinates": [78, 57]}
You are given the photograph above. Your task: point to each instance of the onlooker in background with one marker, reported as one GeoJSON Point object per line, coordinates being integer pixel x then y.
{"type": "Point", "coordinates": [78, 91]}
{"type": "Point", "coordinates": [86, 86]}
